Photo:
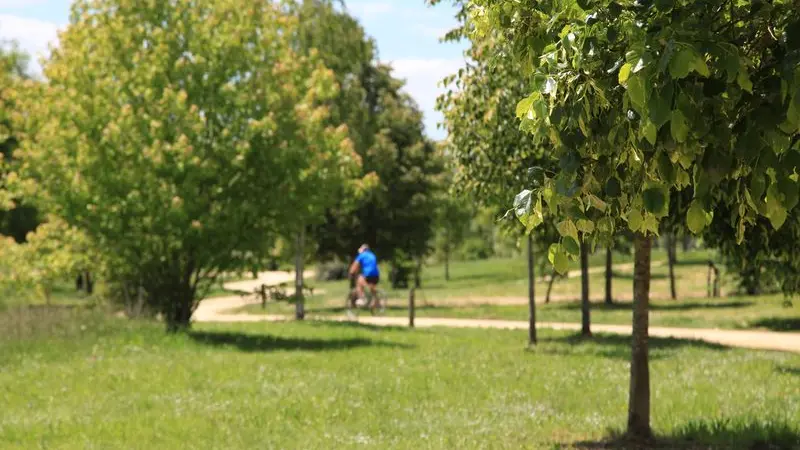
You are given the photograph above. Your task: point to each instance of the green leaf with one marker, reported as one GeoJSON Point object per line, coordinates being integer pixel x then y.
{"type": "Point", "coordinates": [613, 187]}
{"type": "Point", "coordinates": [637, 91]}
{"type": "Point", "coordinates": [635, 220]}
{"type": "Point", "coordinates": [658, 107]}
{"type": "Point", "coordinates": [678, 126]}
{"type": "Point", "coordinates": [551, 253]}
{"type": "Point", "coordinates": [665, 168]}
{"type": "Point", "coordinates": [525, 105]}
{"type": "Point", "coordinates": [585, 226]}
{"type": "Point", "coordinates": [697, 218]}
{"type": "Point", "coordinates": [561, 262]}
{"type": "Point", "coordinates": [536, 176]}
{"type": "Point", "coordinates": [776, 211]}
{"type": "Point", "coordinates": [700, 66]}
{"type": "Point", "coordinates": [606, 225]}
{"type": "Point", "coordinates": [650, 224]}
{"type": "Point", "coordinates": [567, 228]}
{"type": "Point", "coordinates": [681, 63]}
{"type": "Point", "coordinates": [624, 73]}
{"type": "Point", "coordinates": [790, 191]}
{"type": "Point", "coordinates": [744, 80]}
{"type": "Point", "coordinates": [596, 203]}
{"type": "Point", "coordinates": [571, 246]}
{"type": "Point", "coordinates": [654, 200]}
{"type": "Point", "coordinates": [523, 202]}
{"type": "Point", "coordinates": [650, 132]}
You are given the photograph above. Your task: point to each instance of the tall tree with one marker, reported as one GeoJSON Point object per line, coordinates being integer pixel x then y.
{"type": "Point", "coordinates": [187, 136]}
{"type": "Point", "coordinates": [641, 99]}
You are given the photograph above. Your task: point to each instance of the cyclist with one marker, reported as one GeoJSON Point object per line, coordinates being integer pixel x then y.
{"type": "Point", "coordinates": [367, 263]}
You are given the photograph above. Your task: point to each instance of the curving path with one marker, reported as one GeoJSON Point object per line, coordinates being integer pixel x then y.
{"type": "Point", "coordinates": [217, 310]}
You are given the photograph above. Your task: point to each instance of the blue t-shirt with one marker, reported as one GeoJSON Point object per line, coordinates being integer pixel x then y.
{"type": "Point", "coordinates": [368, 263]}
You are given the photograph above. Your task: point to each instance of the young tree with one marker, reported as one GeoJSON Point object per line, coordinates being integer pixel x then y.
{"type": "Point", "coordinates": [641, 99]}
{"type": "Point", "coordinates": [182, 139]}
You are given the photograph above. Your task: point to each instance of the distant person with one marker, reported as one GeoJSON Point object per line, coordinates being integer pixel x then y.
{"type": "Point", "coordinates": [367, 263]}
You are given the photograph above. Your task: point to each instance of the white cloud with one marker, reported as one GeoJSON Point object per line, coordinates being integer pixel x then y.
{"type": "Point", "coordinates": [422, 82]}
{"type": "Point", "coordinates": [33, 36]}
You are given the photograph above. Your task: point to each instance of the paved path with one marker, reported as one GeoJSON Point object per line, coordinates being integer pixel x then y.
{"type": "Point", "coordinates": [216, 310]}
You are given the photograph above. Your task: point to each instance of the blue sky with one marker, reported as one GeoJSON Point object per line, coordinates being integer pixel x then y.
{"type": "Point", "coordinates": [406, 31]}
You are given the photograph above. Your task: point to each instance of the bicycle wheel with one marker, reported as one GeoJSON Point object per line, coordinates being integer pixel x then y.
{"type": "Point", "coordinates": [350, 310]}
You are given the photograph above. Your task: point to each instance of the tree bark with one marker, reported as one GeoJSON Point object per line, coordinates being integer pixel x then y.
{"type": "Point", "coordinates": [671, 257]}
{"type": "Point", "coordinates": [609, 276]}
{"type": "Point", "coordinates": [639, 399]}
{"type": "Point", "coordinates": [531, 295]}
{"type": "Point", "coordinates": [299, 259]}
{"type": "Point", "coordinates": [550, 287]}
{"type": "Point", "coordinates": [585, 306]}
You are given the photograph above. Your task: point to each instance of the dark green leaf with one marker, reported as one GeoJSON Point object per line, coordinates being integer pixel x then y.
{"type": "Point", "coordinates": [571, 246]}
{"type": "Point", "coordinates": [659, 106]}
{"type": "Point", "coordinates": [536, 176]}
{"type": "Point", "coordinates": [654, 200]}
{"type": "Point", "coordinates": [790, 191]}
{"type": "Point", "coordinates": [678, 126]}
{"type": "Point", "coordinates": [570, 161]}
{"type": "Point", "coordinates": [613, 187]}
{"type": "Point", "coordinates": [665, 168]}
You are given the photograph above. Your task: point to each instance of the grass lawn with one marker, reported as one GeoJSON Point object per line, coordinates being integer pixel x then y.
{"type": "Point", "coordinates": [469, 295]}
{"type": "Point", "coordinates": [110, 383]}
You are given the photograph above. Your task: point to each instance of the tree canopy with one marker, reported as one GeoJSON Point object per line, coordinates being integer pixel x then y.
{"type": "Point", "coordinates": [179, 136]}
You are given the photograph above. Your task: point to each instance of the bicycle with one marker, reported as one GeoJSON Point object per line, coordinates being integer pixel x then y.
{"type": "Point", "coordinates": [375, 304]}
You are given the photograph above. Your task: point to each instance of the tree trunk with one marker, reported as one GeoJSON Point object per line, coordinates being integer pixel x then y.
{"type": "Point", "coordinates": [639, 399]}
{"type": "Point", "coordinates": [446, 255]}
{"type": "Point", "coordinates": [671, 249]}
{"type": "Point", "coordinates": [609, 276]}
{"type": "Point", "coordinates": [299, 259]}
{"type": "Point", "coordinates": [418, 274]}
{"type": "Point", "coordinates": [178, 312]}
{"type": "Point", "coordinates": [550, 287]}
{"type": "Point", "coordinates": [531, 295]}
{"type": "Point", "coordinates": [585, 306]}
{"type": "Point", "coordinates": [89, 283]}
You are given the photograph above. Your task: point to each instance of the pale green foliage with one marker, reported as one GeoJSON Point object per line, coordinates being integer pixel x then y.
{"type": "Point", "coordinates": [179, 135]}
{"type": "Point", "coordinates": [52, 253]}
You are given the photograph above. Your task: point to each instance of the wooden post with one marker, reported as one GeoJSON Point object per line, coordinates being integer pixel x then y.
{"type": "Point", "coordinates": [298, 277]}
{"type": "Point", "coordinates": [411, 311]}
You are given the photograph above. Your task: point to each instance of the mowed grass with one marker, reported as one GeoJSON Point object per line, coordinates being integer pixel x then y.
{"type": "Point", "coordinates": [111, 383]}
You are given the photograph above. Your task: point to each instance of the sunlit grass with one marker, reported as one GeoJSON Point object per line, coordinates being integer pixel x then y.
{"type": "Point", "coordinates": [104, 383]}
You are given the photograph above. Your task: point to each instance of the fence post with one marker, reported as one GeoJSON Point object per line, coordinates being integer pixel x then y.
{"type": "Point", "coordinates": [411, 311]}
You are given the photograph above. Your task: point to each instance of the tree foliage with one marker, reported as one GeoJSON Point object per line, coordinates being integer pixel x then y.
{"type": "Point", "coordinates": [640, 99]}
{"type": "Point", "coordinates": [16, 218]}
{"type": "Point", "coordinates": [179, 136]}
{"type": "Point", "coordinates": [392, 205]}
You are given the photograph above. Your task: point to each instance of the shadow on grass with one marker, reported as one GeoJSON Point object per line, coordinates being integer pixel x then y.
{"type": "Point", "coordinates": [265, 343]}
{"type": "Point", "coordinates": [629, 276]}
{"type": "Point", "coordinates": [674, 306]}
{"type": "Point", "coordinates": [788, 370]}
{"type": "Point", "coordinates": [778, 323]}
{"type": "Point", "coordinates": [711, 434]}
{"type": "Point", "coordinates": [619, 346]}
{"type": "Point", "coordinates": [354, 325]}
